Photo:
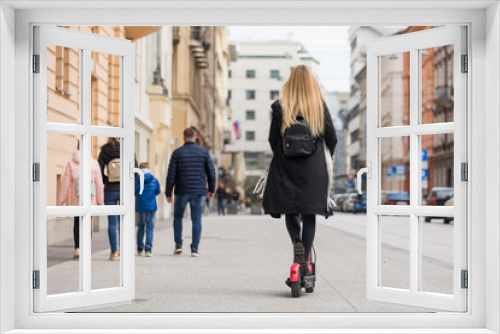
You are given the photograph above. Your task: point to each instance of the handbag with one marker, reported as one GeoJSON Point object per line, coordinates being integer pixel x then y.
{"type": "Point", "coordinates": [260, 187]}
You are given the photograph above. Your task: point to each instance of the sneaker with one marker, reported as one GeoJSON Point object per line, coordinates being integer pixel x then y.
{"type": "Point", "coordinates": [76, 253]}
{"type": "Point", "coordinates": [139, 251]}
{"type": "Point", "coordinates": [148, 253]}
{"type": "Point", "coordinates": [194, 253]}
{"type": "Point", "coordinates": [178, 249]}
{"type": "Point", "coordinates": [114, 257]}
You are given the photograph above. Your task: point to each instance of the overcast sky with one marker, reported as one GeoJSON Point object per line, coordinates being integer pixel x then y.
{"type": "Point", "coordinates": [329, 45]}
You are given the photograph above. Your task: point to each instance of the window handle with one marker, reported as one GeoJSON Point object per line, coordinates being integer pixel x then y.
{"type": "Point", "coordinates": [139, 171]}
{"type": "Point", "coordinates": [368, 171]}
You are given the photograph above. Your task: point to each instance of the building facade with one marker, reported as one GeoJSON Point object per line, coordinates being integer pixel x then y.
{"type": "Point", "coordinates": [201, 57]}
{"type": "Point", "coordinates": [255, 82]}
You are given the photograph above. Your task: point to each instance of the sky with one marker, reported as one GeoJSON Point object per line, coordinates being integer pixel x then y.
{"type": "Point", "coordinates": [329, 45]}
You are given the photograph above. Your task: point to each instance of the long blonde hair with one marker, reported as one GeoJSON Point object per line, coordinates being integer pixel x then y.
{"type": "Point", "coordinates": [302, 93]}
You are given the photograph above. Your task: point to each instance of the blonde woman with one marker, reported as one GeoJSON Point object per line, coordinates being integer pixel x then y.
{"type": "Point", "coordinates": [298, 186]}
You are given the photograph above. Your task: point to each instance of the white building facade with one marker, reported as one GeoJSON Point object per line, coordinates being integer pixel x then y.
{"type": "Point", "coordinates": [255, 81]}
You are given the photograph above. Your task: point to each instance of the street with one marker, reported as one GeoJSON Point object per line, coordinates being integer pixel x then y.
{"type": "Point", "coordinates": [244, 262]}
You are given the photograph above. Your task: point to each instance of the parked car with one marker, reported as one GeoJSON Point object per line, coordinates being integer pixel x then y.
{"type": "Point", "coordinates": [440, 196]}
{"type": "Point", "coordinates": [383, 195]}
{"type": "Point", "coordinates": [340, 203]}
{"type": "Point", "coordinates": [360, 203]}
{"type": "Point", "coordinates": [397, 198]}
{"type": "Point", "coordinates": [349, 202]}
{"type": "Point", "coordinates": [336, 199]}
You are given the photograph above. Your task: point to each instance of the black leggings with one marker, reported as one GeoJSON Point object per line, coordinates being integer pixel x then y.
{"type": "Point", "coordinates": [76, 231]}
{"type": "Point", "coordinates": [308, 230]}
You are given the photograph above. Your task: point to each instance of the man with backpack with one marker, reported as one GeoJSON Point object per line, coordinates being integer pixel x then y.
{"type": "Point", "coordinates": [189, 170]}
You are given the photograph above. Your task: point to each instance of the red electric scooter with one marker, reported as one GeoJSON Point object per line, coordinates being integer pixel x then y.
{"type": "Point", "coordinates": [298, 280]}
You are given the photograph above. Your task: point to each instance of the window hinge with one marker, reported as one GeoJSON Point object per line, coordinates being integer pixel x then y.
{"type": "Point", "coordinates": [465, 64]}
{"type": "Point", "coordinates": [36, 279]}
{"type": "Point", "coordinates": [36, 63]}
{"type": "Point", "coordinates": [36, 172]}
{"type": "Point", "coordinates": [465, 279]}
{"type": "Point", "coordinates": [464, 171]}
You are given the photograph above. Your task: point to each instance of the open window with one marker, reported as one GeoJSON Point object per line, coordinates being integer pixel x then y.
{"type": "Point", "coordinates": [404, 135]}
{"type": "Point", "coordinates": [69, 210]}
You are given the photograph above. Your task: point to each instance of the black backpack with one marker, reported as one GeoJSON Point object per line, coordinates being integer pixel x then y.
{"type": "Point", "coordinates": [298, 140]}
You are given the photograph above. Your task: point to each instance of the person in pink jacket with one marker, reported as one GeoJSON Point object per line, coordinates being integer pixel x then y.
{"type": "Point", "coordinates": [71, 187]}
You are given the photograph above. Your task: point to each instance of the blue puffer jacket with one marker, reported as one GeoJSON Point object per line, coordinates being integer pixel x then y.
{"type": "Point", "coordinates": [189, 170]}
{"type": "Point", "coordinates": [146, 202]}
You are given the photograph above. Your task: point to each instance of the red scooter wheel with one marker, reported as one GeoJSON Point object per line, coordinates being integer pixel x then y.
{"type": "Point", "coordinates": [295, 280]}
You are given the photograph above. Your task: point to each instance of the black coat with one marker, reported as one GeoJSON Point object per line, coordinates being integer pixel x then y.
{"type": "Point", "coordinates": [298, 184]}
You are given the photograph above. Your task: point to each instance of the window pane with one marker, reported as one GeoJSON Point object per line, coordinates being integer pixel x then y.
{"type": "Point", "coordinates": [63, 170]}
{"type": "Point", "coordinates": [250, 115]}
{"type": "Point", "coordinates": [105, 89]}
{"type": "Point", "coordinates": [251, 160]}
{"type": "Point", "coordinates": [250, 94]}
{"type": "Point", "coordinates": [394, 251]}
{"type": "Point", "coordinates": [63, 261]}
{"type": "Point", "coordinates": [250, 73]}
{"type": "Point", "coordinates": [395, 171]}
{"type": "Point", "coordinates": [275, 73]}
{"type": "Point", "coordinates": [438, 171]}
{"type": "Point", "coordinates": [275, 94]}
{"type": "Point", "coordinates": [395, 89]}
{"type": "Point", "coordinates": [63, 85]}
{"type": "Point", "coordinates": [106, 271]}
{"type": "Point", "coordinates": [436, 239]}
{"type": "Point", "coordinates": [437, 84]}
{"type": "Point", "coordinates": [250, 135]}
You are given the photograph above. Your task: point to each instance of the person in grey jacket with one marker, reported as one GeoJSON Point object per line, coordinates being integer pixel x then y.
{"type": "Point", "coordinates": [189, 171]}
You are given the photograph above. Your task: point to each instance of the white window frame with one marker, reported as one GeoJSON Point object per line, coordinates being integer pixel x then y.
{"type": "Point", "coordinates": [483, 102]}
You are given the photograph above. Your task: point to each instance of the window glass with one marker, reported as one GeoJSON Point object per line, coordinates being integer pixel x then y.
{"type": "Point", "coordinates": [250, 114]}
{"type": "Point", "coordinates": [275, 74]}
{"type": "Point", "coordinates": [63, 85]}
{"type": "Point", "coordinates": [250, 95]}
{"type": "Point", "coordinates": [250, 73]}
{"type": "Point", "coordinates": [250, 135]}
{"type": "Point", "coordinates": [275, 94]}
{"type": "Point", "coordinates": [395, 89]}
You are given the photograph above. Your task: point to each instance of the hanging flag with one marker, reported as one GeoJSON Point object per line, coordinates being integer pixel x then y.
{"type": "Point", "coordinates": [236, 127]}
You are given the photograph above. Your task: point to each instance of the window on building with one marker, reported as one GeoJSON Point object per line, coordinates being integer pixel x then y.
{"type": "Point", "coordinates": [250, 135]}
{"type": "Point", "coordinates": [251, 160]}
{"type": "Point", "coordinates": [229, 73]}
{"type": "Point", "coordinates": [250, 95]}
{"type": "Point", "coordinates": [354, 136]}
{"type": "Point", "coordinates": [275, 94]}
{"type": "Point", "coordinates": [353, 44]}
{"type": "Point", "coordinates": [250, 115]}
{"type": "Point", "coordinates": [275, 74]}
{"type": "Point", "coordinates": [250, 73]}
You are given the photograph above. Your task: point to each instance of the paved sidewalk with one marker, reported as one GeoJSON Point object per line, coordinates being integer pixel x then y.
{"type": "Point", "coordinates": [243, 264]}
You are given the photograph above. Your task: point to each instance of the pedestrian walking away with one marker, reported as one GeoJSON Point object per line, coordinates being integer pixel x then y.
{"type": "Point", "coordinates": [109, 162]}
{"type": "Point", "coordinates": [189, 171]}
{"type": "Point", "coordinates": [145, 207]}
{"type": "Point", "coordinates": [298, 179]}
{"type": "Point", "coordinates": [70, 187]}
{"type": "Point", "coordinates": [221, 199]}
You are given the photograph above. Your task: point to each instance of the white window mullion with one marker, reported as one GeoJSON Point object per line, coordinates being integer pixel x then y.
{"type": "Point", "coordinates": [414, 166]}
{"type": "Point", "coordinates": [86, 158]}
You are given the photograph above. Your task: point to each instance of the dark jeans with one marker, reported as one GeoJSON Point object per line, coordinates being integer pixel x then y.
{"type": "Point", "coordinates": [221, 205]}
{"type": "Point", "coordinates": [196, 204]}
{"type": "Point", "coordinates": [145, 224]}
{"type": "Point", "coordinates": [308, 230]}
{"type": "Point", "coordinates": [113, 198]}
{"type": "Point", "coordinates": [76, 231]}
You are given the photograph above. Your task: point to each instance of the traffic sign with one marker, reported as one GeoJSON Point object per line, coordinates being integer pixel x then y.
{"type": "Point", "coordinates": [424, 155]}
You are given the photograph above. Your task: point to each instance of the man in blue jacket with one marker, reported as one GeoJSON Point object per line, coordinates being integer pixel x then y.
{"type": "Point", "coordinates": [189, 170]}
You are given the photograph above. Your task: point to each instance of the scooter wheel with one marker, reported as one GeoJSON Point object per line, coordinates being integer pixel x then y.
{"type": "Point", "coordinates": [296, 288]}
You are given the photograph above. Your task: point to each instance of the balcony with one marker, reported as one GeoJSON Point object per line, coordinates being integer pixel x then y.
{"type": "Point", "coordinates": [444, 93]}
